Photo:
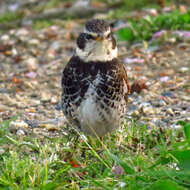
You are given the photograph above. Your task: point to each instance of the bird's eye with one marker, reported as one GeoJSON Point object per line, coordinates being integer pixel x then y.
{"type": "Point", "coordinates": [89, 37]}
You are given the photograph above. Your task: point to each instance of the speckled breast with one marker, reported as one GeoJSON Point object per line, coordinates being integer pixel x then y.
{"type": "Point", "coordinates": [94, 95]}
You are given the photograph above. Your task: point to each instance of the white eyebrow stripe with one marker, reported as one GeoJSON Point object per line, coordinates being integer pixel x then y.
{"type": "Point", "coordinates": [95, 34]}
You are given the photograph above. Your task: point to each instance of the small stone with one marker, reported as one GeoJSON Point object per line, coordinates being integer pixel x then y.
{"type": "Point", "coordinates": [132, 107]}
{"type": "Point", "coordinates": [18, 124]}
{"type": "Point", "coordinates": [34, 42]}
{"type": "Point", "coordinates": [50, 127]}
{"type": "Point", "coordinates": [183, 69]}
{"type": "Point", "coordinates": [148, 110]}
{"type": "Point", "coordinates": [3, 108]}
{"type": "Point", "coordinates": [168, 94]}
{"type": "Point", "coordinates": [158, 122]}
{"type": "Point", "coordinates": [171, 40]}
{"type": "Point", "coordinates": [22, 32]}
{"type": "Point", "coordinates": [169, 111]}
{"type": "Point", "coordinates": [5, 37]}
{"type": "Point", "coordinates": [176, 126]}
{"type": "Point", "coordinates": [51, 53]}
{"type": "Point", "coordinates": [32, 64]}
{"type": "Point", "coordinates": [31, 74]}
{"type": "Point", "coordinates": [45, 97]}
{"type": "Point", "coordinates": [58, 107]}
{"type": "Point", "coordinates": [164, 79]}
{"type": "Point", "coordinates": [171, 53]}
{"type": "Point", "coordinates": [159, 103]}
{"type": "Point", "coordinates": [20, 132]}
{"type": "Point", "coordinates": [14, 52]}
{"type": "Point", "coordinates": [55, 45]}
{"type": "Point", "coordinates": [53, 100]}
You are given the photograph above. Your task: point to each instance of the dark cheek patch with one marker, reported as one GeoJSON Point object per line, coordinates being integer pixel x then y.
{"type": "Point", "coordinates": [113, 43]}
{"type": "Point", "coordinates": [81, 41]}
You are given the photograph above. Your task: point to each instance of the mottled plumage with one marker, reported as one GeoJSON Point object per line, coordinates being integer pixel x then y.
{"type": "Point", "coordinates": [94, 92]}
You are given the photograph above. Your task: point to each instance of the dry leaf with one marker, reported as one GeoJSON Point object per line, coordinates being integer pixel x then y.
{"type": "Point", "coordinates": [138, 86]}
{"type": "Point", "coordinates": [15, 80]}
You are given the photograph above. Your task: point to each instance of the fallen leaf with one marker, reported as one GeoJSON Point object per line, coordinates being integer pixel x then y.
{"type": "Point", "coordinates": [15, 80]}
{"type": "Point", "coordinates": [138, 86]}
{"type": "Point", "coordinates": [67, 5]}
{"type": "Point", "coordinates": [7, 53]}
{"type": "Point", "coordinates": [17, 58]}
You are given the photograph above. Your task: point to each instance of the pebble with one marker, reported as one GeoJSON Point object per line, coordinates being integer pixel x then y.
{"type": "Point", "coordinates": [32, 64]}
{"type": "Point", "coordinates": [58, 107]}
{"type": "Point", "coordinates": [22, 32]}
{"type": "Point", "coordinates": [148, 110]}
{"type": "Point", "coordinates": [51, 54]}
{"type": "Point", "coordinates": [3, 108]}
{"type": "Point", "coordinates": [183, 69]}
{"type": "Point", "coordinates": [45, 96]}
{"type": "Point", "coordinates": [171, 53]}
{"type": "Point", "coordinates": [50, 127]}
{"type": "Point", "coordinates": [159, 103]}
{"type": "Point", "coordinates": [164, 79]}
{"type": "Point", "coordinates": [132, 107]}
{"type": "Point", "coordinates": [158, 122]}
{"type": "Point", "coordinates": [176, 126]}
{"type": "Point", "coordinates": [20, 132]}
{"type": "Point", "coordinates": [168, 94]}
{"type": "Point", "coordinates": [5, 37]}
{"type": "Point", "coordinates": [14, 52]}
{"type": "Point", "coordinates": [18, 124]}
{"type": "Point", "coordinates": [53, 100]}
{"type": "Point", "coordinates": [170, 111]}
{"type": "Point", "coordinates": [55, 45]}
{"type": "Point", "coordinates": [34, 42]}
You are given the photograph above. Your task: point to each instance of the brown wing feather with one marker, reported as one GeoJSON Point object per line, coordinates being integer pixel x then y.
{"type": "Point", "coordinates": [125, 78]}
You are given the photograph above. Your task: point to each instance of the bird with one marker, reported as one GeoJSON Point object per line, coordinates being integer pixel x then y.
{"type": "Point", "coordinates": [94, 83]}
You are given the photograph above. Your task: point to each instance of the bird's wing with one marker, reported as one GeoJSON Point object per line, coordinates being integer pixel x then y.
{"type": "Point", "coordinates": [125, 78]}
{"type": "Point", "coordinates": [74, 86]}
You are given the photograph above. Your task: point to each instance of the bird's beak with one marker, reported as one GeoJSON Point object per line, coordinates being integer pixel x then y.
{"type": "Point", "coordinates": [100, 37]}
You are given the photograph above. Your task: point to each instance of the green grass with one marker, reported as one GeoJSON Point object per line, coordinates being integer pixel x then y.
{"type": "Point", "coordinates": [143, 29]}
{"type": "Point", "coordinates": [10, 16]}
{"type": "Point", "coordinates": [134, 158]}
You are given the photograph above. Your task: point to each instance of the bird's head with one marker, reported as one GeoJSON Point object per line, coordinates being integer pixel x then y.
{"type": "Point", "coordinates": [97, 42]}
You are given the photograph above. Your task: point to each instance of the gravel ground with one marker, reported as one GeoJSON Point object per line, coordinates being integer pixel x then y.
{"type": "Point", "coordinates": [31, 63]}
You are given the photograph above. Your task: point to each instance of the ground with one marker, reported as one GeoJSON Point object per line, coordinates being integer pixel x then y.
{"type": "Point", "coordinates": [32, 62]}
{"type": "Point", "coordinates": [150, 151]}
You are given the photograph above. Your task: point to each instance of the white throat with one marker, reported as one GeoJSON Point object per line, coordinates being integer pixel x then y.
{"type": "Point", "coordinates": [97, 51]}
